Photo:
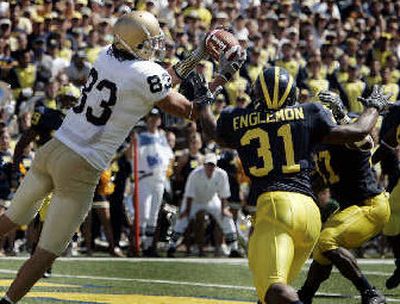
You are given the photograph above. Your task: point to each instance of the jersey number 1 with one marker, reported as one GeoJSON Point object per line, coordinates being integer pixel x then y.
{"type": "Point", "coordinates": [264, 151]}
{"type": "Point", "coordinates": [324, 161]}
{"type": "Point", "coordinates": [106, 105]}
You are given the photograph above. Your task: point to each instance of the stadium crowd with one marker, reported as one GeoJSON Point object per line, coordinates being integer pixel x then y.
{"type": "Point", "coordinates": [46, 46]}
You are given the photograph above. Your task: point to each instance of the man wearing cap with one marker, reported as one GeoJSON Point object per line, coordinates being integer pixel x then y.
{"type": "Point", "coordinates": [155, 156]}
{"type": "Point", "coordinates": [207, 189]}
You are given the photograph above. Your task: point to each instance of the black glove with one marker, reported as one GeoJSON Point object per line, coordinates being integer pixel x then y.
{"type": "Point", "coordinates": [202, 94]}
{"type": "Point", "coordinates": [334, 102]}
{"type": "Point", "coordinates": [377, 99]}
{"type": "Point", "coordinates": [231, 61]}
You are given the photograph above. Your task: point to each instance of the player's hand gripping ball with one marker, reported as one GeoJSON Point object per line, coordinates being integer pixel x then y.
{"type": "Point", "coordinates": [220, 41]}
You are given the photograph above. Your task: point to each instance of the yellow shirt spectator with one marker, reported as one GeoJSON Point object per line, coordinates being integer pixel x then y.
{"type": "Point", "coordinates": [92, 53]}
{"type": "Point", "coordinates": [203, 13]}
{"type": "Point", "coordinates": [292, 66]}
{"type": "Point", "coordinates": [234, 87]}
{"type": "Point", "coordinates": [65, 53]}
{"type": "Point", "coordinates": [342, 76]}
{"type": "Point", "coordinates": [373, 80]}
{"type": "Point", "coordinates": [353, 91]}
{"type": "Point", "coordinates": [381, 56]}
{"type": "Point", "coordinates": [253, 71]}
{"type": "Point", "coordinates": [392, 88]}
{"type": "Point", "coordinates": [316, 86]}
{"type": "Point", "coordinates": [395, 76]}
{"type": "Point", "coordinates": [26, 78]}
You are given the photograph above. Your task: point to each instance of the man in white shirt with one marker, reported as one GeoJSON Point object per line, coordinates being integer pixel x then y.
{"type": "Point", "coordinates": [207, 189]}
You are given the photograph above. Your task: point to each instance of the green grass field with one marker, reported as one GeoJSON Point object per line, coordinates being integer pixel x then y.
{"type": "Point", "coordinates": [162, 281]}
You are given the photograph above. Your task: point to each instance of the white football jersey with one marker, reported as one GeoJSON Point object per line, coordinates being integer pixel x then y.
{"type": "Point", "coordinates": [116, 95]}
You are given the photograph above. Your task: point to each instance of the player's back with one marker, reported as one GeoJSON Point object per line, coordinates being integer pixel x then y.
{"type": "Point", "coordinates": [349, 174]}
{"type": "Point", "coordinates": [275, 147]}
{"type": "Point", "coordinates": [117, 94]}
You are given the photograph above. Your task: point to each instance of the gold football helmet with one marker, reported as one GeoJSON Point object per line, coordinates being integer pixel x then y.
{"type": "Point", "coordinates": [139, 34]}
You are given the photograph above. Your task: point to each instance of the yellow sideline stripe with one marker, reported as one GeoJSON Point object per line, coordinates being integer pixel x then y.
{"type": "Point", "coordinates": [130, 298]}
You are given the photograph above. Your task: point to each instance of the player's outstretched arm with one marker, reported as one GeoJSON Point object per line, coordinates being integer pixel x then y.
{"type": "Point", "coordinates": [178, 105]}
{"type": "Point", "coordinates": [377, 102]}
{"type": "Point", "coordinates": [354, 132]}
{"type": "Point", "coordinates": [334, 102]}
{"type": "Point", "coordinates": [183, 68]}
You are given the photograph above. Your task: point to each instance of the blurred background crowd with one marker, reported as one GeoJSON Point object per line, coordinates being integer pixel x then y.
{"type": "Point", "coordinates": [345, 46]}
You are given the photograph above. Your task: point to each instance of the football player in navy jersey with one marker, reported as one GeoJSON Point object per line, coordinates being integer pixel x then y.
{"type": "Point", "coordinates": [275, 139]}
{"type": "Point", "coordinates": [364, 209]}
{"type": "Point", "coordinates": [45, 120]}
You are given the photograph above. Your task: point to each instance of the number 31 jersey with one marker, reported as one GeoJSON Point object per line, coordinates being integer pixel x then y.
{"type": "Point", "coordinates": [275, 148]}
{"type": "Point", "coordinates": [117, 94]}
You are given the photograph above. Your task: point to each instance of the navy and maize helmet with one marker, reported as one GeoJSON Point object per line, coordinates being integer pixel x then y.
{"type": "Point", "coordinates": [274, 89]}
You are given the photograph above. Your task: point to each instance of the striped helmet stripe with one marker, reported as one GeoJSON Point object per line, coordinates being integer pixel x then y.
{"type": "Point", "coordinates": [264, 88]}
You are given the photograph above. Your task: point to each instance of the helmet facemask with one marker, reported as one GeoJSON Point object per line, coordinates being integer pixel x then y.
{"type": "Point", "coordinates": [153, 48]}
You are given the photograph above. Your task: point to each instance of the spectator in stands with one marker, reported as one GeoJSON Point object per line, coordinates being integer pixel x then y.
{"type": "Point", "coordinates": [207, 189]}
{"type": "Point", "coordinates": [388, 85]}
{"type": "Point", "coordinates": [315, 82]}
{"type": "Point", "coordinates": [352, 88]}
{"type": "Point", "coordinates": [374, 76]}
{"type": "Point", "coordinates": [79, 69]}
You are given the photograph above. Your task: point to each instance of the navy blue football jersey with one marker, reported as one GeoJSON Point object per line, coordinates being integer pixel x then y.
{"type": "Point", "coordinates": [276, 147]}
{"type": "Point", "coordinates": [390, 130]}
{"type": "Point", "coordinates": [5, 176]}
{"type": "Point", "coordinates": [349, 174]}
{"type": "Point", "coordinates": [45, 121]}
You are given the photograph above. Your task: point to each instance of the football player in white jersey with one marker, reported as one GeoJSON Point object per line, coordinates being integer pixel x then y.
{"type": "Point", "coordinates": [123, 85]}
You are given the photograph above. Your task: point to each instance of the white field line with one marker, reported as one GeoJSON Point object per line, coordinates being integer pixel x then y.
{"type": "Point", "coordinates": [185, 260]}
{"type": "Point", "coordinates": [101, 278]}
{"type": "Point", "coordinates": [182, 283]}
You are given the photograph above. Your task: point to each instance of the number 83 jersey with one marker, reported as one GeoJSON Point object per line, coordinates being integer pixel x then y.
{"type": "Point", "coordinates": [275, 147]}
{"type": "Point", "coordinates": [116, 95]}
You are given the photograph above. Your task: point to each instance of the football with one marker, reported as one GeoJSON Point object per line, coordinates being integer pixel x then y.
{"type": "Point", "coordinates": [219, 41]}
